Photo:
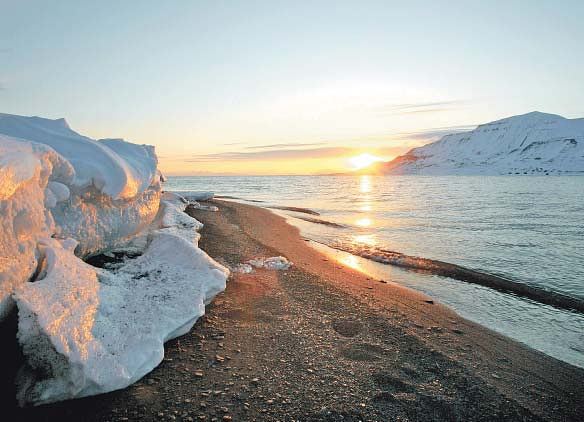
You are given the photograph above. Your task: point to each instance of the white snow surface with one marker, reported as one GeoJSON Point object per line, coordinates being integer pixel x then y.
{"type": "Point", "coordinates": [113, 167]}
{"type": "Point", "coordinates": [25, 169]}
{"type": "Point", "coordinates": [55, 182]}
{"type": "Point", "coordinates": [533, 143]}
{"type": "Point", "coordinates": [271, 263]}
{"type": "Point", "coordinates": [91, 330]}
{"type": "Point", "coordinates": [195, 195]}
{"type": "Point", "coordinates": [64, 197]}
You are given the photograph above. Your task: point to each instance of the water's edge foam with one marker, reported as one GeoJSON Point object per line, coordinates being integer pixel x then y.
{"type": "Point", "coordinates": [468, 275]}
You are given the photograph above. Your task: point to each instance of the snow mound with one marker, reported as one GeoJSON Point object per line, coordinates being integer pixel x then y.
{"type": "Point", "coordinates": [87, 331]}
{"type": "Point", "coordinates": [25, 169]}
{"type": "Point", "coordinates": [55, 182]}
{"type": "Point", "coordinates": [533, 143]}
{"type": "Point", "coordinates": [113, 167]}
{"type": "Point", "coordinates": [63, 197]}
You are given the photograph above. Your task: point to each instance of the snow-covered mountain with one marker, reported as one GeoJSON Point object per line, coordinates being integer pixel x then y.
{"type": "Point", "coordinates": [533, 143]}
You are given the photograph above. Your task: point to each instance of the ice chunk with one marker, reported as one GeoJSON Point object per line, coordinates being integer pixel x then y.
{"type": "Point", "coordinates": [86, 331]}
{"type": "Point", "coordinates": [24, 172]}
{"type": "Point", "coordinates": [243, 268]}
{"type": "Point", "coordinates": [99, 193]}
{"type": "Point", "coordinates": [272, 263]}
{"type": "Point", "coordinates": [114, 167]}
{"type": "Point", "coordinates": [195, 195]}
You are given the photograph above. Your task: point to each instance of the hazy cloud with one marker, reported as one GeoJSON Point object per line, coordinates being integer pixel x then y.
{"type": "Point", "coordinates": [421, 107]}
{"type": "Point", "coordinates": [433, 133]}
{"type": "Point", "coordinates": [286, 145]}
{"type": "Point", "coordinates": [278, 154]}
{"type": "Point", "coordinates": [234, 143]}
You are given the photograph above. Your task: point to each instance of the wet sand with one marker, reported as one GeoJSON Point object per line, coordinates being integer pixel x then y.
{"type": "Point", "coordinates": [324, 342]}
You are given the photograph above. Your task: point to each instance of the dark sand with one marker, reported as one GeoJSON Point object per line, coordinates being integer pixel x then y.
{"type": "Point", "coordinates": [323, 342]}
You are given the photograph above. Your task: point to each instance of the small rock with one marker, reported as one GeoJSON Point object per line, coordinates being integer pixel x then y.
{"type": "Point", "coordinates": [198, 374]}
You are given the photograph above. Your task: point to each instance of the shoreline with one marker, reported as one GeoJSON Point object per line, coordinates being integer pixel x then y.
{"type": "Point", "coordinates": [321, 341]}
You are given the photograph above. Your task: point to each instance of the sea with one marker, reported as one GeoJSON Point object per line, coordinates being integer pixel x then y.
{"type": "Point", "coordinates": [526, 229]}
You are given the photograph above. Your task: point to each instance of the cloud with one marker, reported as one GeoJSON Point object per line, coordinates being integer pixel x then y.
{"type": "Point", "coordinates": [421, 107]}
{"type": "Point", "coordinates": [433, 133]}
{"type": "Point", "coordinates": [278, 154]}
{"type": "Point", "coordinates": [286, 145]}
{"type": "Point", "coordinates": [234, 143]}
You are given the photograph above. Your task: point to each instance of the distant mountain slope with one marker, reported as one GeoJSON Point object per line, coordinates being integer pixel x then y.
{"type": "Point", "coordinates": [533, 143]}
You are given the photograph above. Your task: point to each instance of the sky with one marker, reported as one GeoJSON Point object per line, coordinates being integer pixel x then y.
{"type": "Point", "coordinates": [287, 87]}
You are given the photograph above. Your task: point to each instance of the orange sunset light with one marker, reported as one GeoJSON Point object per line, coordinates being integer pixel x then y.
{"type": "Point", "coordinates": [362, 161]}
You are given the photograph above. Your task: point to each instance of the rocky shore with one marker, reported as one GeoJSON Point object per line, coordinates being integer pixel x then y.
{"type": "Point", "coordinates": [320, 341]}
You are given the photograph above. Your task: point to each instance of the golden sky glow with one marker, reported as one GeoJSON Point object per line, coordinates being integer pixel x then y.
{"type": "Point", "coordinates": [270, 88]}
{"type": "Point", "coordinates": [364, 160]}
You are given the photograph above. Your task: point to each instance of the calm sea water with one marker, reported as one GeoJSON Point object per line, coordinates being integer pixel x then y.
{"type": "Point", "coordinates": [529, 229]}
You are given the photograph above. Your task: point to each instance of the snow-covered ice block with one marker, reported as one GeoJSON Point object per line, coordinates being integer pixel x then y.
{"type": "Point", "coordinates": [113, 167]}
{"type": "Point", "coordinates": [86, 331]}
{"type": "Point", "coordinates": [25, 169]}
{"type": "Point", "coordinates": [109, 191]}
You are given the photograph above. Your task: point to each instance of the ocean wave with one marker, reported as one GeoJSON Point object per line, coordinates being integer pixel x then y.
{"type": "Point", "coordinates": [294, 209]}
{"type": "Point", "coordinates": [320, 221]}
{"type": "Point", "coordinates": [468, 275]}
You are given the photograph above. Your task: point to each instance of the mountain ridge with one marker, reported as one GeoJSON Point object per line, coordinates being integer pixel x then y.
{"type": "Point", "coordinates": [531, 143]}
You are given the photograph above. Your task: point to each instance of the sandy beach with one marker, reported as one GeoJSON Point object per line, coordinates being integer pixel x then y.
{"type": "Point", "coordinates": [323, 342]}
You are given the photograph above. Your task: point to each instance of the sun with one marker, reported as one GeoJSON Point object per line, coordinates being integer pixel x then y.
{"type": "Point", "coordinates": [361, 161]}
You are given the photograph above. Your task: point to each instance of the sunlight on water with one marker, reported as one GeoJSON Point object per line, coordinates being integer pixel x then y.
{"type": "Point", "coordinates": [528, 229]}
{"type": "Point", "coordinates": [365, 239]}
{"type": "Point", "coordinates": [350, 261]}
{"type": "Point", "coordinates": [364, 222]}
{"type": "Point", "coordinates": [365, 184]}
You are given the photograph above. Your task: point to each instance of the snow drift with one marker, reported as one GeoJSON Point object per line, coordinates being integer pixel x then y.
{"type": "Point", "coordinates": [25, 170]}
{"type": "Point", "coordinates": [86, 331]}
{"type": "Point", "coordinates": [63, 197]}
{"type": "Point", "coordinates": [533, 143]}
{"type": "Point", "coordinates": [55, 182]}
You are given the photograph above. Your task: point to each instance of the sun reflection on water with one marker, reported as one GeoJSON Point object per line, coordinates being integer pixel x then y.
{"type": "Point", "coordinates": [364, 222]}
{"type": "Point", "coordinates": [350, 261]}
{"type": "Point", "coordinates": [365, 239]}
{"type": "Point", "coordinates": [365, 184]}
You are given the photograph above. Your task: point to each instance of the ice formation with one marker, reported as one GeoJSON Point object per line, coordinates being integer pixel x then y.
{"type": "Point", "coordinates": [63, 197]}
{"type": "Point", "coordinates": [55, 182]}
{"type": "Point", "coordinates": [195, 195]}
{"type": "Point", "coordinates": [533, 143]}
{"type": "Point", "coordinates": [25, 169]}
{"type": "Point", "coordinates": [272, 263]}
{"type": "Point", "coordinates": [90, 330]}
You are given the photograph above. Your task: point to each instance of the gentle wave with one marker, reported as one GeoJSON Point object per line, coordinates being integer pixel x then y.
{"type": "Point", "coordinates": [468, 275]}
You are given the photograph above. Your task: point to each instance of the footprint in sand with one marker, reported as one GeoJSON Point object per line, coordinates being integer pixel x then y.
{"type": "Point", "coordinates": [391, 383]}
{"type": "Point", "coordinates": [347, 327]}
{"type": "Point", "coordinates": [364, 352]}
